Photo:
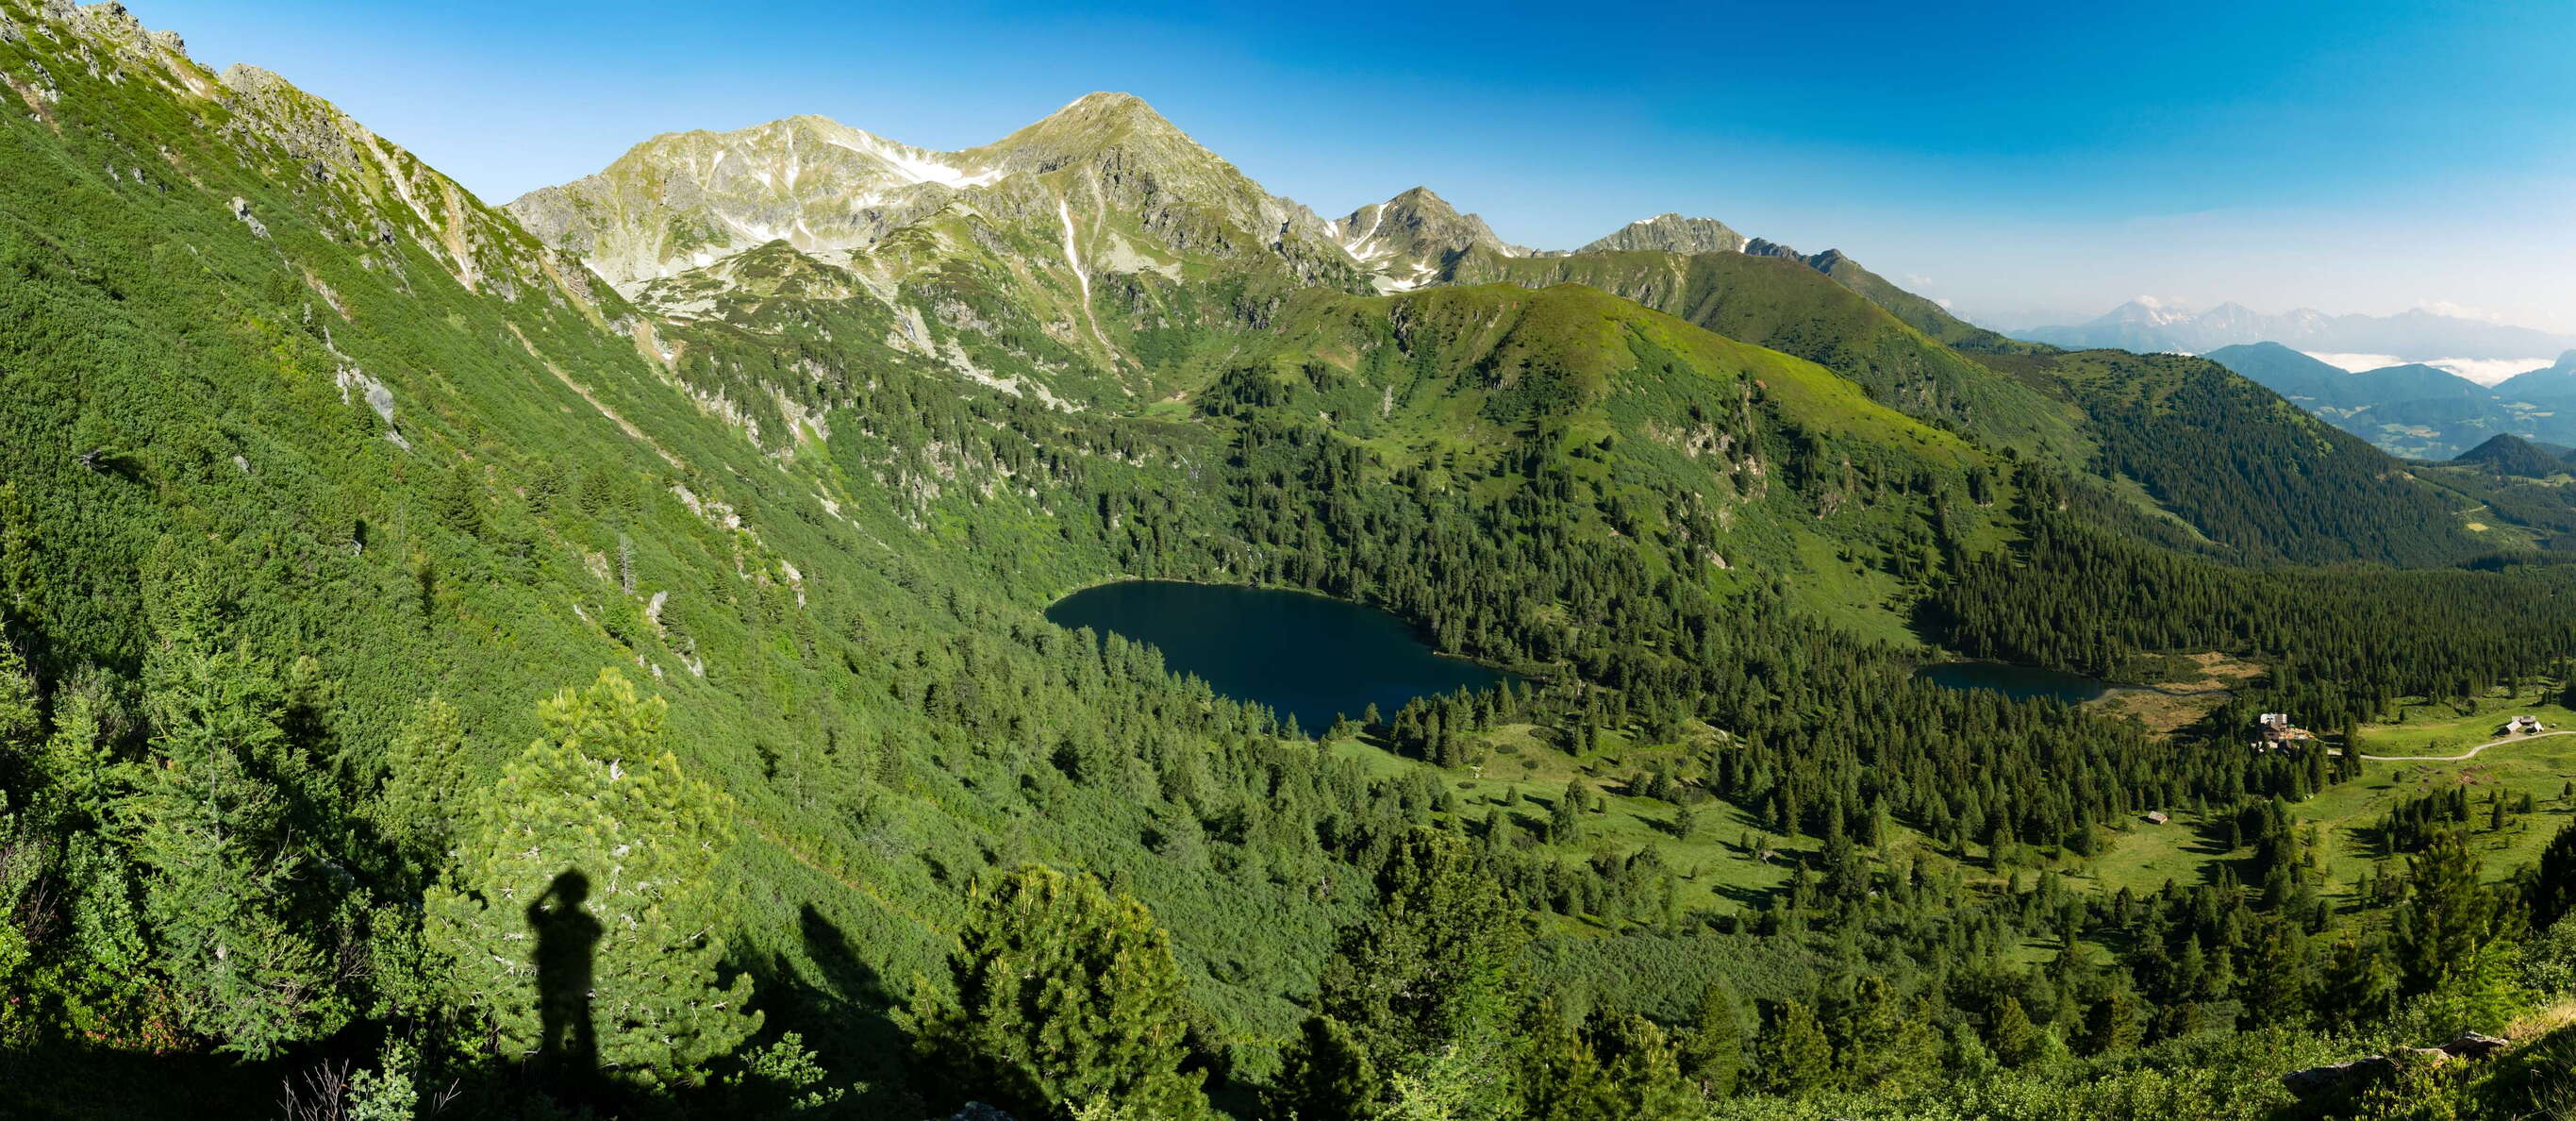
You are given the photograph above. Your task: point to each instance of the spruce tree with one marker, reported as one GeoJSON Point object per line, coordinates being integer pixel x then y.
{"type": "Point", "coordinates": [1641, 1070]}
{"type": "Point", "coordinates": [1063, 996]}
{"type": "Point", "coordinates": [1712, 1053]}
{"type": "Point", "coordinates": [2447, 917]}
{"type": "Point", "coordinates": [1557, 1076]}
{"type": "Point", "coordinates": [1432, 975]}
{"type": "Point", "coordinates": [2116, 1023]}
{"type": "Point", "coordinates": [1565, 819]}
{"type": "Point", "coordinates": [424, 778]}
{"type": "Point", "coordinates": [2550, 890]}
{"type": "Point", "coordinates": [2014, 1039]}
{"type": "Point", "coordinates": [1323, 1075]}
{"type": "Point", "coordinates": [207, 817]}
{"type": "Point", "coordinates": [1795, 1056]}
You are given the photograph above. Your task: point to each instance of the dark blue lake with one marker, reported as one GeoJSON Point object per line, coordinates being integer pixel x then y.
{"type": "Point", "coordinates": [2021, 683]}
{"type": "Point", "coordinates": [1308, 655]}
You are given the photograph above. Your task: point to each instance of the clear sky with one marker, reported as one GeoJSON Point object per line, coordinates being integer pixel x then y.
{"type": "Point", "coordinates": [2027, 162]}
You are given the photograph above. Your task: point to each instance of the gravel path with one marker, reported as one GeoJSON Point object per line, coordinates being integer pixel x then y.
{"type": "Point", "coordinates": [2471, 753]}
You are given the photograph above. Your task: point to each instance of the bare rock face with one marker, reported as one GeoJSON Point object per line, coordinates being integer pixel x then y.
{"type": "Point", "coordinates": [241, 213]}
{"type": "Point", "coordinates": [1106, 163]}
{"type": "Point", "coordinates": [1411, 239]}
{"type": "Point", "coordinates": [2473, 1045]}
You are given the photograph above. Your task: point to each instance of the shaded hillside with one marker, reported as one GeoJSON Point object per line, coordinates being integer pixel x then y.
{"type": "Point", "coordinates": [2251, 471]}
{"type": "Point", "coordinates": [2411, 410]}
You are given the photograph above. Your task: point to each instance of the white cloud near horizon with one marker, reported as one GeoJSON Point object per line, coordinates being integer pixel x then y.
{"type": "Point", "coordinates": [2484, 371]}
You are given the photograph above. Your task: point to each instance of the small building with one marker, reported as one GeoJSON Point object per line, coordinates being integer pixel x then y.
{"type": "Point", "coordinates": [2275, 730]}
{"type": "Point", "coordinates": [2158, 817]}
{"type": "Point", "coordinates": [2522, 726]}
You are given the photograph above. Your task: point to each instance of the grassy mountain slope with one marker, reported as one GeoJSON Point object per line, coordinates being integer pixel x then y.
{"type": "Point", "coordinates": [1781, 303]}
{"type": "Point", "coordinates": [2126, 417]}
{"type": "Point", "coordinates": [1918, 312]}
{"type": "Point", "coordinates": [1697, 443]}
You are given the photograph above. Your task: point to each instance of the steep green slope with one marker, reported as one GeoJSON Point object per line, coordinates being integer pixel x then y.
{"type": "Point", "coordinates": [1919, 313]}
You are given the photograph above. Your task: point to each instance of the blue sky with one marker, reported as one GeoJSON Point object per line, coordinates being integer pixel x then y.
{"type": "Point", "coordinates": [2028, 162]}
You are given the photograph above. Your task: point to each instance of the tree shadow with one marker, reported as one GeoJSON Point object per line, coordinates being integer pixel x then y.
{"type": "Point", "coordinates": [566, 955]}
{"type": "Point", "coordinates": [844, 1010]}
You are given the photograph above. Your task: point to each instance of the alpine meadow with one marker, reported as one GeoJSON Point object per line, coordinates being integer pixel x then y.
{"type": "Point", "coordinates": [592, 656]}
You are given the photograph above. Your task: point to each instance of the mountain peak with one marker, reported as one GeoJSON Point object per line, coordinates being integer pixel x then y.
{"type": "Point", "coordinates": [2508, 454]}
{"type": "Point", "coordinates": [1092, 122]}
{"type": "Point", "coordinates": [1407, 240]}
{"type": "Point", "coordinates": [1671, 233]}
{"type": "Point", "coordinates": [1108, 101]}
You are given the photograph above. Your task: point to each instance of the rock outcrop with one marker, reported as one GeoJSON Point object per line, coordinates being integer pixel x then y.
{"type": "Point", "coordinates": [2338, 1077]}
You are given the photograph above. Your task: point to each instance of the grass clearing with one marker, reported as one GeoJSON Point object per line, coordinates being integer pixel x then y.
{"type": "Point", "coordinates": [2346, 817]}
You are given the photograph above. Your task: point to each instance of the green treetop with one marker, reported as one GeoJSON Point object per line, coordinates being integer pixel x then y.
{"type": "Point", "coordinates": [1065, 998]}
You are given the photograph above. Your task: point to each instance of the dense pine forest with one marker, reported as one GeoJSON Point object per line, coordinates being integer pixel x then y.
{"type": "Point", "coordinates": [436, 684]}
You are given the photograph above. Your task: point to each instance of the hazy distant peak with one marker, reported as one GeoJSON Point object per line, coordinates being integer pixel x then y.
{"type": "Point", "coordinates": [2147, 324]}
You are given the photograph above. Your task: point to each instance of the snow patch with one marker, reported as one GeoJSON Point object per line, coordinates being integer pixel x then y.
{"type": "Point", "coordinates": [1073, 253]}
{"type": "Point", "coordinates": [916, 165]}
{"type": "Point", "coordinates": [1357, 247]}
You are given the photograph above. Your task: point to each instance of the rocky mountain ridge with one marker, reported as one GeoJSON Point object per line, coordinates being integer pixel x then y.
{"type": "Point", "coordinates": [1670, 233]}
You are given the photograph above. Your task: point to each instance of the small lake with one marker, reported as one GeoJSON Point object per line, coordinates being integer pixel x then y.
{"type": "Point", "coordinates": [1303, 654]}
{"type": "Point", "coordinates": [2021, 683]}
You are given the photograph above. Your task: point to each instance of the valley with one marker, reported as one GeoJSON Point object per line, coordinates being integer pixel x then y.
{"type": "Point", "coordinates": [799, 624]}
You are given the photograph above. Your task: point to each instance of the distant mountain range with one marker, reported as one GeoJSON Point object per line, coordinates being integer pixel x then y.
{"type": "Point", "coordinates": [2413, 409]}
{"type": "Point", "coordinates": [2147, 325]}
